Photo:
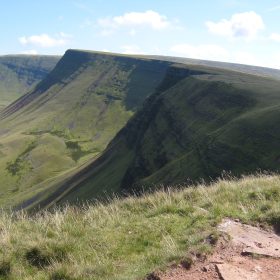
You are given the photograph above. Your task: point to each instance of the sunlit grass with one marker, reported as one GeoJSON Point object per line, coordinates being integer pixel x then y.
{"type": "Point", "coordinates": [126, 239]}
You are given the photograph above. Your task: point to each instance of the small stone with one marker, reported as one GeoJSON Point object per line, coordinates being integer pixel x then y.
{"type": "Point", "coordinates": [258, 269]}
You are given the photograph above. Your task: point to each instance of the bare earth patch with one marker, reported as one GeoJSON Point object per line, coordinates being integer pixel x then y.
{"type": "Point", "coordinates": [242, 253]}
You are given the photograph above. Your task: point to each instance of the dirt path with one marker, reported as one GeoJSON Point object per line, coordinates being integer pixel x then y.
{"type": "Point", "coordinates": [242, 253]}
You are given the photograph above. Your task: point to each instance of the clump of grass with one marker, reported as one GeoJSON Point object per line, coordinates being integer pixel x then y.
{"type": "Point", "coordinates": [152, 276]}
{"type": "Point", "coordinates": [40, 258]}
{"type": "Point", "coordinates": [61, 275]}
{"type": "Point", "coordinates": [186, 262]}
{"type": "Point", "coordinates": [37, 258]}
{"type": "Point", "coordinates": [76, 150]}
{"type": "Point", "coordinates": [16, 167]}
{"type": "Point", "coordinates": [132, 237]}
{"type": "Point", "coordinates": [274, 219]}
{"type": "Point", "coordinates": [5, 268]}
{"type": "Point", "coordinates": [213, 238]}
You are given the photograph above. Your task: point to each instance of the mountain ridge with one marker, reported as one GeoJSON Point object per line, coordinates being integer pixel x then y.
{"type": "Point", "coordinates": [234, 160]}
{"type": "Point", "coordinates": [161, 121]}
{"type": "Point", "coordinates": [70, 117]}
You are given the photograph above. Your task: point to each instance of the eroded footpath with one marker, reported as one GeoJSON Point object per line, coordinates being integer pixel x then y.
{"type": "Point", "coordinates": [243, 252]}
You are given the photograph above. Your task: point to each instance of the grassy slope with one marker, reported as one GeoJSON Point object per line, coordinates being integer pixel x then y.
{"type": "Point", "coordinates": [190, 128]}
{"type": "Point", "coordinates": [70, 117]}
{"type": "Point", "coordinates": [195, 129]}
{"type": "Point", "coordinates": [20, 73]}
{"type": "Point", "coordinates": [126, 239]}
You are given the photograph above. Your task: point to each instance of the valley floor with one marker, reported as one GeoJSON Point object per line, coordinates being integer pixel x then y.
{"type": "Point", "coordinates": [133, 237]}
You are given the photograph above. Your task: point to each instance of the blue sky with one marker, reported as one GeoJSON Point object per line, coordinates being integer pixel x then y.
{"type": "Point", "coordinates": [244, 31]}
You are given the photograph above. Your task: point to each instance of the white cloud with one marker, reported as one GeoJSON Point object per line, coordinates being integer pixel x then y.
{"type": "Point", "coordinates": [64, 35]}
{"type": "Point", "coordinates": [211, 52]}
{"type": "Point", "coordinates": [32, 52]}
{"type": "Point", "coordinates": [131, 49]}
{"type": "Point", "coordinates": [275, 37]}
{"type": "Point", "coordinates": [132, 32]}
{"type": "Point", "coordinates": [243, 25]}
{"type": "Point", "coordinates": [132, 20]}
{"type": "Point", "coordinates": [45, 40]}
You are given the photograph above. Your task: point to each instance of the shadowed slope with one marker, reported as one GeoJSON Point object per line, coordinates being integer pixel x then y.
{"type": "Point", "coordinates": [70, 117]}
{"type": "Point", "coordinates": [192, 122]}
{"type": "Point", "coordinates": [196, 128]}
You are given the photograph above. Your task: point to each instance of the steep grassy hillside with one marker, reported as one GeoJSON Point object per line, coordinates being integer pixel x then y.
{"type": "Point", "coordinates": [192, 122]}
{"type": "Point", "coordinates": [127, 239]}
{"type": "Point", "coordinates": [70, 117]}
{"type": "Point", "coordinates": [20, 73]}
{"type": "Point", "coordinates": [191, 129]}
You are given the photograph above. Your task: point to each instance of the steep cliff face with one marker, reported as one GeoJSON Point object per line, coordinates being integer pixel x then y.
{"type": "Point", "coordinates": [71, 116]}
{"type": "Point", "coordinates": [20, 73]}
{"type": "Point", "coordinates": [194, 127]}
{"type": "Point", "coordinates": [113, 123]}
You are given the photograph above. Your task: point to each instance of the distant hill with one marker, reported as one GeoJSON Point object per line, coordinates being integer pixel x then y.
{"type": "Point", "coordinates": [248, 69]}
{"type": "Point", "coordinates": [19, 73]}
{"type": "Point", "coordinates": [70, 117]}
{"type": "Point", "coordinates": [105, 123]}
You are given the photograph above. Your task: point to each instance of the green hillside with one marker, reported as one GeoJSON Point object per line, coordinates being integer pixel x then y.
{"type": "Point", "coordinates": [20, 73]}
{"type": "Point", "coordinates": [128, 239]}
{"type": "Point", "coordinates": [69, 118]}
{"type": "Point", "coordinates": [186, 123]}
{"type": "Point", "coordinates": [191, 129]}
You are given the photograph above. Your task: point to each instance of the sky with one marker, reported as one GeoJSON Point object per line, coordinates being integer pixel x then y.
{"type": "Point", "coordinates": [246, 31]}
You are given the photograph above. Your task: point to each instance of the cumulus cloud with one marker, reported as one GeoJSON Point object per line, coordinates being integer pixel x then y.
{"type": "Point", "coordinates": [45, 40]}
{"type": "Point", "coordinates": [242, 25]}
{"type": "Point", "coordinates": [132, 20]}
{"type": "Point", "coordinates": [207, 51]}
{"type": "Point", "coordinates": [275, 37]}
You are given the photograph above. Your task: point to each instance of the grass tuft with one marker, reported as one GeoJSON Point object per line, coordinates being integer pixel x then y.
{"type": "Point", "coordinates": [186, 263]}
{"type": "Point", "coordinates": [5, 268]}
{"type": "Point", "coordinates": [41, 258]}
{"type": "Point", "coordinates": [61, 275]}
